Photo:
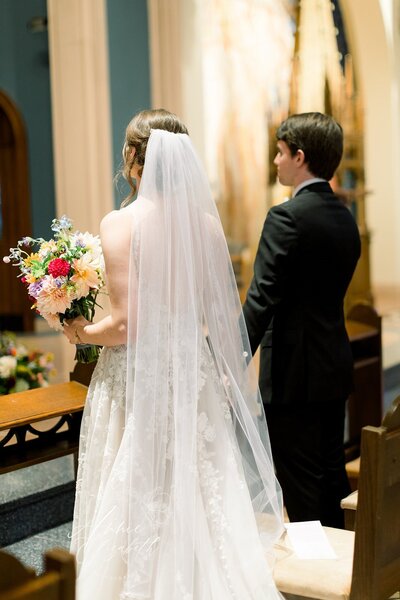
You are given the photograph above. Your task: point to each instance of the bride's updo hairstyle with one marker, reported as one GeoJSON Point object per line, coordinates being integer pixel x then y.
{"type": "Point", "coordinates": [136, 137]}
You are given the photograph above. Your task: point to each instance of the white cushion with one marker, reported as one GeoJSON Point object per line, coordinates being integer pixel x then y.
{"type": "Point", "coordinates": [323, 579]}
{"type": "Point", "coordinates": [350, 502]}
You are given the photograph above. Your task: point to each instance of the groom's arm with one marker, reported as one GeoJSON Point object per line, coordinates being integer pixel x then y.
{"type": "Point", "coordinates": [271, 267]}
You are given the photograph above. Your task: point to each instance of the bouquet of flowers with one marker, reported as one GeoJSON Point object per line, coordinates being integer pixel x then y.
{"type": "Point", "coordinates": [63, 276]}
{"type": "Point", "coordinates": [21, 369]}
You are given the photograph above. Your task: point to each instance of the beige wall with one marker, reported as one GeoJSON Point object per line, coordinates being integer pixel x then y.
{"type": "Point", "coordinates": [374, 39]}
{"type": "Point", "coordinates": [176, 67]}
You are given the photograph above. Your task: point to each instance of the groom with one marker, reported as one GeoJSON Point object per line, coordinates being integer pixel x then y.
{"type": "Point", "coordinates": [306, 257]}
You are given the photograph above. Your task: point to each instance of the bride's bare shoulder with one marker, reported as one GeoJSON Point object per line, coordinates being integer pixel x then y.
{"type": "Point", "coordinates": [111, 218]}
{"type": "Point", "coordinates": [116, 228]}
{"type": "Point", "coordinates": [117, 218]}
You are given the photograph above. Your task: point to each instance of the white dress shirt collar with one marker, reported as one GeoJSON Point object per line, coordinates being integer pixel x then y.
{"type": "Point", "coordinates": [306, 183]}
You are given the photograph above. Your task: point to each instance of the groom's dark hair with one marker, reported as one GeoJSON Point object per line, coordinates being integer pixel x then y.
{"type": "Point", "coordinates": [319, 136]}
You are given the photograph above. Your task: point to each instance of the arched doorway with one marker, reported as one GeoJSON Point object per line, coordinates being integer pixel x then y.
{"type": "Point", "coordinates": [15, 214]}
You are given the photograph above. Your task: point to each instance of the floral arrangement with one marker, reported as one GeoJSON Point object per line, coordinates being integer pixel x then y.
{"type": "Point", "coordinates": [22, 369]}
{"type": "Point", "coordinates": [63, 276]}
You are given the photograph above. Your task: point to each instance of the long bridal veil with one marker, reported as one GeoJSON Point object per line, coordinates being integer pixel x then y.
{"type": "Point", "coordinates": [194, 464]}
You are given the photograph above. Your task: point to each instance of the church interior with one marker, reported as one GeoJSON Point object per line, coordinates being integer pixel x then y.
{"type": "Point", "coordinates": [72, 74]}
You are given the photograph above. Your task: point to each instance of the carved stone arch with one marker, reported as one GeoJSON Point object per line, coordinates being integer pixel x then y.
{"type": "Point", "coordinates": [15, 213]}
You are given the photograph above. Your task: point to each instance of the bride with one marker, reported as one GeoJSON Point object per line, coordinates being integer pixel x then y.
{"type": "Point", "coordinates": [175, 463]}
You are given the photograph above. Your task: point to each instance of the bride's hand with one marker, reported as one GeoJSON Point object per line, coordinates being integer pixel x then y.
{"type": "Point", "coordinates": [73, 329]}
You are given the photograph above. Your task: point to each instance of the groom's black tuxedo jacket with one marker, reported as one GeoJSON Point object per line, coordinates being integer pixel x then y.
{"type": "Point", "coordinates": [307, 254]}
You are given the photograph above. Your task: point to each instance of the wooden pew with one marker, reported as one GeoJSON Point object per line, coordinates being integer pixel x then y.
{"type": "Point", "coordinates": [364, 329]}
{"type": "Point", "coordinates": [23, 444]}
{"type": "Point", "coordinates": [391, 420]}
{"type": "Point", "coordinates": [18, 582]}
{"type": "Point", "coordinates": [37, 426]}
{"type": "Point", "coordinates": [368, 564]}
{"type": "Point", "coordinates": [58, 408]}
{"type": "Point", "coordinates": [364, 407]}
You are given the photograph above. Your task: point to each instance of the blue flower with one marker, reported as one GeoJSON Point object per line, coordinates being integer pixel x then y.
{"type": "Point", "coordinates": [62, 224]}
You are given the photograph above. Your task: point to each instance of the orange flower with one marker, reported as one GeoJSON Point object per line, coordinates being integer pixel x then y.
{"type": "Point", "coordinates": [85, 276]}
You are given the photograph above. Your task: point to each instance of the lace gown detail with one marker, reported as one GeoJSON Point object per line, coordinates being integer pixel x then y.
{"type": "Point", "coordinates": [100, 438]}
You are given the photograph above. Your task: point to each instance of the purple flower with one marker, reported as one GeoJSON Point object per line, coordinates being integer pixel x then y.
{"type": "Point", "coordinates": [34, 289]}
{"type": "Point", "coordinates": [59, 281]}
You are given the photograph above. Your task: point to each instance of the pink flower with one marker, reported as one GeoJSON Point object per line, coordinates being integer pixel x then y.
{"type": "Point", "coordinates": [58, 267]}
{"type": "Point", "coordinates": [53, 321]}
{"type": "Point", "coordinates": [52, 298]}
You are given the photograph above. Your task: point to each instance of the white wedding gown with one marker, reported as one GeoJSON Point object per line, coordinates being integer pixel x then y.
{"type": "Point", "coordinates": [230, 560]}
{"type": "Point", "coordinates": [174, 456]}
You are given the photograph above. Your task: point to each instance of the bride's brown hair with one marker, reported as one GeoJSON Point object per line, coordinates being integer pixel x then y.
{"type": "Point", "coordinates": [136, 137]}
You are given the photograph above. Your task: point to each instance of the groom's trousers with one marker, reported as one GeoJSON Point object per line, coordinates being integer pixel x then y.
{"type": "Point", "coordinates": [308, 452]}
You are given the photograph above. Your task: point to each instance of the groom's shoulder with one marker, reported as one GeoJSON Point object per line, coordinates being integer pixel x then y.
{"type": "Point", "coordinates": [282, 210]}
{"type": "Point", "coordinates": [302, 203]}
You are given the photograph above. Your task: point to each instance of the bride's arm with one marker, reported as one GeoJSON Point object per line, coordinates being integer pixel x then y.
{"type": "Point", "coordinates": [115, 234]}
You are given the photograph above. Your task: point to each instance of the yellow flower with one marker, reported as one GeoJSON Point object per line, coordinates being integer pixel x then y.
{"type": "Point", "coordinates": [30, 278]}
{"type": "Point", "coordinates": [32, 257]}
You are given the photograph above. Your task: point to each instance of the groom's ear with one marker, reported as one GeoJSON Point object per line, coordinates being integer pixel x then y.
{"type": "Point", "coordinates": [300, 157]}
